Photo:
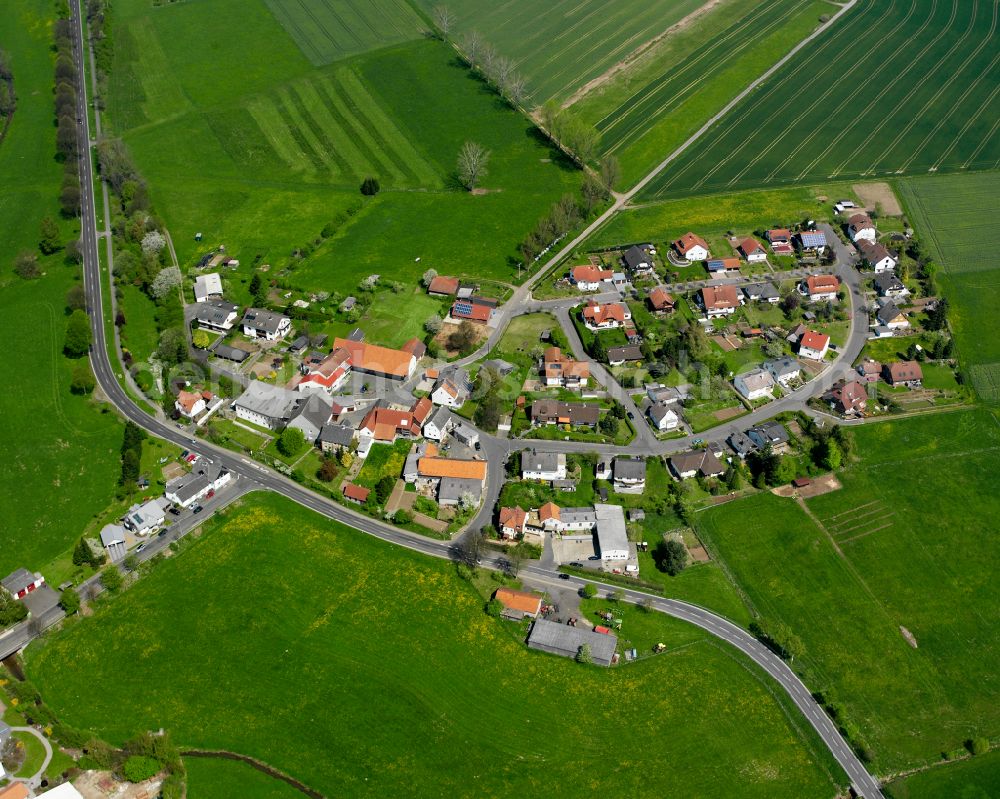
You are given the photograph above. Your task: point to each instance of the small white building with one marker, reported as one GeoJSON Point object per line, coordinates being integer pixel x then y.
{"type": "Point", "coordinates": [545, 466]}
{"type": "Point", "coordinates": [113, 541]}
{"type": "Point", "coordinates": [146, 517]}
{"type": "Point", "coordinates": [755, 385]}
{"type": "Point", "coordinates": [663, 418]}
{"type": "Point", "coordinates": [208, 287]}
{"type": "Point", "coordinates": [261, 323]}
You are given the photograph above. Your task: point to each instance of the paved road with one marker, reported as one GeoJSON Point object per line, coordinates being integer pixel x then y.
{"type": "Point", "coordinates": [257, 476]}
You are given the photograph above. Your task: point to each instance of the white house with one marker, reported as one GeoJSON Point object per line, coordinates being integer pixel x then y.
{"type": "Point", "coordinates": [189, 403]}
{"type": "Point", "coordinates": [752, 251]}
{"type": "Point", "coordinates": [612, 537]}
{"type": "Point", "coordinates": [691, 247]}
{"type": "Point", "coordinates": [877, 256]}
{"type": "Point", "coordinates": [813, 345]}
{"type": "Point", "coordinates": [189, 488]}
{"type": "Point", "coordinates": [784, 370]}
{"type": "Point", "coordinates": [546, 466]}
{"type": "Point", "coordinates": [216, 315]}
{"type": "Point", "coordinates": [629, 475]}
{"type": "Point", "coordinates": [113, 541]}
{"type": "Point", "coordinates": [207, 287]}
{"type": "Point", "coordinates": [888, 285]}
{"type": "Point", "coordinates": [439, 424]}
{"type": "Point", "coordinates": [860, 226]}
{"type": "Point", "coordinates": [261, 323]}
{"type": "Point", "coordinates": [449, 394]}
{"type": "Point", "coordinates": [140, 519]}
{"type": "Point", "coordinates": [821, 288]}
{"type": "Point", "coordinates": [663, 418]}
{"type": "Point", "coordinates": [590, 278]}
{"type": "Point", "coordinates": [755, 385]}
{"type": "Point", "coordinates": [269, 406]}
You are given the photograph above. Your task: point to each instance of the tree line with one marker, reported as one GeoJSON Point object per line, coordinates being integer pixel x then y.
{"type": "Point", "coordinates": [8, 98]}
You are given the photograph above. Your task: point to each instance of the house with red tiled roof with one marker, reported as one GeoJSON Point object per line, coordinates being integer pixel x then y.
{"type": "Point", "coordinates": [560, 370]}
{"type": "Point", "coordinates": [375, 360]}
{"type": "Point", "coordinates": [752, 250]}
{"type": "Point", "coordinates": [691, 247]}
{"type": "Point", "coordinates": [590, 278]}
{"type": "Point", "coordinates": [719, 300]}
{"type": "Point", "coordinates": [860, 226]}
{"type": "Point", "coordinates": [607, 316]}
{"type": "Point", "coordinates": [518, 604]}
{"type": "Point", "coordinates": [820, 288]}
{"type": "Point", "coordinates": [661, 301]}
{"type": "Point", "coordinates": [190, 403]}
{"type": "Point", "coordinates": [355, 493]}
{"type": "Point", "coordinates": [849, 398]}
{"type": "Point", "coordinates": [813, 345]}
{"type": "Point", "coordinates": [472, 311]}
{"type": "Point", "coordinates": [512, 522]}
{"type": "Point", "coordinates": [903, 373]}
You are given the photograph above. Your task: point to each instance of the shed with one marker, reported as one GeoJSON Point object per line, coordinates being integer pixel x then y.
{"type": "Point", "coordinates": [561, 639]}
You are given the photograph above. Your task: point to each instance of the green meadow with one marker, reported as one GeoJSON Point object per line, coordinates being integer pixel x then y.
{"type": "Point", "coordinates": [60, 451]}
{"type": "Point", "coordinates": [367, 670]}
{"type": "Point", "coordinates": [977, 778]}
{"type": "Point", "coordinates": [226, 779]}
{"type": "Point", "coordinates": [889, 582]}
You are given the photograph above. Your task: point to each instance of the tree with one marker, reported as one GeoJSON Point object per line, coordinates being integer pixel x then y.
{"type": "Point", "coordinates": [488, 412]}
{"type": "Point", "coordinates": [383, 488]}
{"type": "Point", "coordinates": [978, 746]}
{"type": "Point", "coordinates": [470, 547]}
{"type": "Point", "coordinates": [83, 555]}
{"type": "Point", "coordinates": [402, 516]}
{"type": "Point", "coordinates": [48, 237]}
{"type": "Point", "coordinates": [433, 324]}
{"type": "Point", "coordinates": [346, 459]}
{"type": "Point", "coordinates": [139, 768]}
{"type": "Point", "coordinates": [472, 44]}
{"type": "Point", "coordinates": [70, 601]}
{"type": "Point", "coordinates": [369, 283]}
{"type": "Point", "coordinates": [494, 608]}
{"type": "Point", "coordinates": [153, 243]}
{"type": "Point", "coordinates": [617, 596]}
{"type": "Point", "coordinates": [201, 339]}
{"type": "Point", "coordinates": [464, 337]}
{"type": "Point", "coordinates": [589, 591]}
{"type": "Point", "coordinates": [937, 319]}
{"type": "Point", "coordinates": [78, 337]}
{"type": "Point", "coordinates": [112, 579]}
{"type": "Point", "coordinates": [790, 302]}
{"type": "Point", "coordinates": [26, 265]}
{"type": "Point", "coordinates": [444, 19]}
{"type": "Point", "coordinates": [583, 654]}
{"type": "Point", "coordinates": [370, 187]}
{"type": "Point", "coordinates": [83, 381]}
{"type": "Point", "coordinates": [428, 277]}
{"type": "Point", "coordinates": [257, 289]}
{"type": "Point", "coordinates": [130, 468]}
{"type": "Point", "coordinates": [611, 172]}
{"type": "Point", "coordinates": [291, 441]}
{"type": "Point", "coordinates": [472, 161]}
{"type": "Point", "coordinates": [172, 348]}
{"type": "Point", "coordinates": [166, 281]}
{"type": "Point", "coordinates": [670, 556]}
{"type": "Point", "coordinates": [593, 192]}
{"type": "Point", "coordinates": [608, 425]}
{"type": "Point", "coordinates": [832, 455]}
{"type": "Point", "coordinates": [131, 562]}
{"type": "Point", "coordinates": [70, 196]}
{"type": "Point", "coordinates": [328, 470]}
{"type": "Point", "coordinates": [76, 298]}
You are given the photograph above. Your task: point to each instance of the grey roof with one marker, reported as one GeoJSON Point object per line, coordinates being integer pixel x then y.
{"type": "Point", "coordinates": [635, 256]}
{"type": "Point", "coordinates": [812, 238]}
{"type": "Point", "coordinates": [611, 533]}
{"type": "Point", "coordinates": [627, 353]}
{"type": "Point", "coordinates": [564, 485]}
{"type": "Point", "coordinates": [699, 460]}
{"type": "Point", "coordinates": [630, 469]}
{"type": "Point", "coordinates": [756, 379]}
{"type": "Point", "coordinates": [636, 515]}
{"type": "Point", "coordinates": [356, 335]}
{"type": "Point", "coordinates": [742, 444]}
{"type": "Point", "coordinates": [440, 417]}
{"type": "Point", "coordinates": [577, 516]}
{"type": "Point", "coordinates": [576, 412]}
{"type": "Point", "coordinates": [452, 488]}
{"type": "Point", "coordinates": [501, 366]}
{"type": "Point", "coordinates": [887, 281]}
{"type": "Point", "coordinates": [299, 344]}
{"type": "Point", "coordinates": [666, 394]}
{"type": "Point", "coordinates": [465, 432]}
{"type": "Point", "coordinates": [145, 514]}
{"type": "Point", "coordinates": [783, 367]}
{"type": "Point", "coordinates": [339, 434]}
{"type": "Point", "coordinates": [348, 303]}
{"type": "Point", "coordinates": [535, 461]}
{"type": "Point", "coordinates": [229, 353]}
{"type": "Point", "coordinates": [657, 412]}
{"type": "Point", "coordinates": [766, 291]}
{"type": "Point", "coordinates": [311, 415]}
{"type": "Point", "coordinates": [561, 639]}
{"type": "Point", "coordinates": [887, 312]}
{"type": "Point", "coordinates": [187, 486]}
{"type": "Point", "coordinates": [262, 319]}
{"type": "Point", "coordinates": [112, 534]}
{"type": "Point", "coordinates": [17, 580]}
{"type": "Point", "coordinates": [214, 312]}
{"type": "Point", "coordinates": [768, 433]}
{"type": "Point", "coordinates": [273, 402]}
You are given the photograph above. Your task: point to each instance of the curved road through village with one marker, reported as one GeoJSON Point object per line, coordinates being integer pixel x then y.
{"type": "Point", "coordinates": [261, 477]}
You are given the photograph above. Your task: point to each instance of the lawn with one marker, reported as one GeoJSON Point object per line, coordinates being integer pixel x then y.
{"type": "Point", "coordinates": [60, 451]}
{"type": "Point", "coordinates": [409, 694]}
{"type": "Point", "coordinates": [954, 216]}
{"type": "Point", "coordinates": [226, 779]}
{"type": "Point", "coordinates": [34, 754]}
{"type": "Point", "coordinates": [978, 778]}
{"type": "Point", "coordinates": [563, 45]}
{"type": "Point", "coordinates": [384, 460]}
{"type": "Point", "coordinates": [914, 528]}
{"type": "Point", "coordinates": [645, 114]}
{"type": "Point", "coordinates": [139, 334]}
{"type": "Point", "coordinates": [878, 93]}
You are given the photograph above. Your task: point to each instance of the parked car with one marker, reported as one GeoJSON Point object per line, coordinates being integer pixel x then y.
{"type": "Point", "coordinates": [139, 548]}
{"type": "Point", "coordinates": [197, 509]}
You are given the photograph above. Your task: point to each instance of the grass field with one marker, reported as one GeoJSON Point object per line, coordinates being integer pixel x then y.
{"type": "Point", "coordinates": [643, 117]}
{"type": "Point", "coordinates": [954, 216]}
{"type": "Point", "coordinates": [60, 452]}
{"type": "Point", "coordinates": [331, 29]}
{"type": "Point", "coordinates": [894, 88]}
{"type": "Point", "coordinates": [908, 542]}
{"type": "Point", "coordinates": [226, 779]}
{"type": "Point", "coordinates": [410, 683]}
{"type": "Point", "coordinates": [978, 778]}
{"type": "Point", "coordinates": [559, 47]}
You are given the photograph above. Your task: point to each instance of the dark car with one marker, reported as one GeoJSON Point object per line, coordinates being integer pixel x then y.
{"type": "Point", "coordinates": [161, 533]}
{"type": "Point", "coordinates": [175, 511]}
{"type": "Point", "coordinates": [577, 564]}
{"type": "Point", "coordinates": [197, 509]}
{"type": "Point", "coordinates": [563, 576]}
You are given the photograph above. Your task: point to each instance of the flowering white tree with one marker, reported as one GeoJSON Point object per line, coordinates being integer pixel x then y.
{"type": "Point", "coordinates": [370, 282]}
{"type": "Point", "coordinates": [429, 275]}
{"type": "Point", "coordinates": [168, 280]}
{"type": "Point", "coordinates": [153, 243]}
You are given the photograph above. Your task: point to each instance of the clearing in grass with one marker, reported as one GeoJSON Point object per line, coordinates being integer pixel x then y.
{"type": "Point", "coordinates": [361, 644]}
{"type": "Point", "coordinates": [890, 89]}
{"type": "Point", "coordinates": [906, 553]}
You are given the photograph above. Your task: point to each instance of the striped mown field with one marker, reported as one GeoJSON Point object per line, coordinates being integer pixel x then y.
{"type": "Point", "coordinates": [955, 216]}
{"type": "Point", "coordinates": [327, 30]}
{"type": "Point", "coordinates": [896, 87]}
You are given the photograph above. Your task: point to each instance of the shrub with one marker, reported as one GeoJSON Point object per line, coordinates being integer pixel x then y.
{"type": "Point", "coordinates": [978, 746]}
{"type": "Point", "coordinates": [26, 265]}
{"type": "Point", "coordinates": [494, 608]}
{"type": "Point", "coordinates": [589, 591]}
{"type": "Point", "coordinates": [370, 187]}
{"type": "Point", "coordinates": [83, 380]}
{"type": "Point", "coordinates": [139, 768]}
{"type": "Point", "coordinates": [112, 579]}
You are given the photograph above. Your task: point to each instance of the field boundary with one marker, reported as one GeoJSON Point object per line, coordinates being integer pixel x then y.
{"type": "Point", "coordinates": [260, 765]}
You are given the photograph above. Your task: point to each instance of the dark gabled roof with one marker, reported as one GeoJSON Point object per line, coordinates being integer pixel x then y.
{"type": "Point", "coordinates": [576, 412]}
{"type": "Point", "coordinates": [630, 469]}
{"type": "Point", "coordinates": [339, 434]}
{"type": "Point", "coordinates": [229, 353]}
{"type": "Point", "coordinates": [888, 312]}
{"type": "Point", "coordinates": [701, 460]}
{"type": "Point", "coordinates": [634, 256]}
{"type": "Point", "coordinates": [627, 353]}
{"type": "Point", "coordinates": [887, 281]}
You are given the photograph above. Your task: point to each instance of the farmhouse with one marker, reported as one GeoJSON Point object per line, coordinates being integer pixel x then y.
{"type": "Point", "coordinates": [113, 541]}
{"type": "Point", "coordinates": [384, 424]}
{"type": "Point", "coordinates": [451, 391]}
{"type": "Point", "coordinates": [663, 418]}
{"type": "Point", "coordinates": [755, 385]}
{"type": "Point", "coordinates": [661, 301]}
{"type": "Point", "coordinates": [566, 641]}
{"type": "Point", "coordinates": [813, 345]}
{"type": "Point", "coordinates": [638, 260]}
{"type": "Point", "coordinates": [141, 519]}
{"type": "Point", "coordinates": [589, 278]}
{"type": "Point", "coordinates": [821, 288]}
{"type": "Point", "coordinates": [471, 310]}
{"type": "Point", "coordinates": [207, 287]}
{"type": "Point", "coordinates": [877, 256]}
{"type": "Point", "coordinates": [440, 423]}
{"type": "Point", "coordinates": [190, 403]}
{"type": "Point", "coordinates": [559, 370]}
{"type": "Point", "coordinates": [512, 522]}
{"type": "Point", "coordinates": [888, 285]}
{"type": "Point", "coordinates": [903, 373]}
{"type": "Point", "coordinates": [784, 370]}
{"type": "Point", "coordinates": [725, 265]}
{"type": "Point", "coordinates": [751, 250]}
{"type": "Point", "coordinates": [691, 247]}
{"type": "Point", "coordinates": [812, 241]}
{"type": "Point", "coordinates": [375, 360]}
{"type": "Point", "coordinates": [355, 493]}
{"type": "Point", "coordinates": [327, 375]}
{"type": "Point", "coordinates": [216, 315]}
{"type": "Point", "coordinates": [266, 405]}
{"type": "Point", "coordinates": [546, 466]}
{"type": "Point", "coordinates": [719, 300]}
{"type": "Point", "coordinates": [630, 475]}
{"type": "Point", "coordinates": [442, 286]}
{"type": "Point", "coordinates": [848, 398]}
{"type": "Point", "coordinates": [605, 317]}
{"type": "Point", "coordinates": [451, 477]}
{"type": "Point", "coordinates": [696, 462]}
{"type": "Point", "coordinates": [518, 604]}
{"type": "Point", "coordinates": [20, 582]}
{"type": "Point", "coordinates": [620, 355]}
{"type": "Point", "coordinates": [261, 323]}
{"type": "Point", "coordinates": [860, 226]}
{"type": "Point", "coordinates": [889, 316]}
{"type": "Point", "coordinates": [566, 520]}
{"type": "Point", "coordinates": [761, 292]}
{"type": "Point", "coordinates": [557, 412]}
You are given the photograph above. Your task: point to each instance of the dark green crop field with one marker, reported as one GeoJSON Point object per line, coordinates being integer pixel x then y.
{"type": "Point", "coordinates": [363, 669]}
{"type": "Point", "coordinates": [895, 87]}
